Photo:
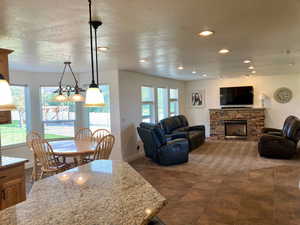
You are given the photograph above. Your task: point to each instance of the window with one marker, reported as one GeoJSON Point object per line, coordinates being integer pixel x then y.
{"type": "Point", "coordinates": [147, 104]}
{"type": "Point", "coordinates": [162, 103]}
{"type": "Point", "coordinates": [58, 118]}
{"type": "Point", "coordinates": [100, 117]}
{"type": "Point", "coordinates": [173, 101]}
{"type": "Point", "coordinates": [15, 133]}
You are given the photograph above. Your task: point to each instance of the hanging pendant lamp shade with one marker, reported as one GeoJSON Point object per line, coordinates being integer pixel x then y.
{"type": "Point", "coordinates": [94, 96]}
{"type": "Point", "coordinates": [6, 100]}
{"type": "Point", "coordinates": [77, 97]}
{"type": "Point", "coordinates": [60, 98]}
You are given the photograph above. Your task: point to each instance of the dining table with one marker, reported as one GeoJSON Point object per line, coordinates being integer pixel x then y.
{"type": "Point", "coordinates": [75, 149]}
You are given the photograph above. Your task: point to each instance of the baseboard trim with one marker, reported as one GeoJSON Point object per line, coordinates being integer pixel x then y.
{"type": "Point", "coordinates": [133, 157]}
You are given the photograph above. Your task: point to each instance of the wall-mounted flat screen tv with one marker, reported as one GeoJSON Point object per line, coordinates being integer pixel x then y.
{"type": "Point", "coordinates": [236, 95]}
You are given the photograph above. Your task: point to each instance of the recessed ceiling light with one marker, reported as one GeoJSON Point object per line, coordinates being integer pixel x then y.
{"type": "Point", "coordinates": [204, 75]}
{"type": "Point", "coordinates": [206, 33]}
{"type": "Point", "coordinates": [103, 49]}
{"type": "Point", "coordinates": [180, 67]}
{"type": "Point", "coordinates": [253, 72]}
{"type": "Point", "coordinates": [194, 72]}
{"type": "Point", "coordinates": [247, 61]}
{"type": "Point", "coordinates": [224, 51]}
{"type": "Point", "coordinates": [251, 67]}
{"type": "Point", "coordinates": [142, 60]}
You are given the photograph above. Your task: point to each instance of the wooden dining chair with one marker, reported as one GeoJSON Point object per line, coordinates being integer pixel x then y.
{"type": "Point", "coordinates": [104, 147]}
{"type": "Point", "coordinates": [50, 164]}
{"type": "Point", "coordinates": [33, 135]}
{"type": "Point", "coordinates": [84, 134]}
{"type": "Point", "coordinates": [99, 134]}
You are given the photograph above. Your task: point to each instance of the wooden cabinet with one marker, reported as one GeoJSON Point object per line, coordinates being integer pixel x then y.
{"type": "Point", "coordinates": [12, 186]}
{"type": "Point", "coordinates": [5, 117]}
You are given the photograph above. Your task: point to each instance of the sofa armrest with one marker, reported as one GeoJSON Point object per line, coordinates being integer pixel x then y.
{"type": "Point", "coordinates": [271, 131]}
{"type": "Point", "coordinates": [178, 145]}
{"type": "Point", "coordinates": [174, 152]}
{"type": "Point", "coordinates": [199, 127]}
{"type": "Point", "coordinates": [276, 140]}
{"type": "Point", "coordinates": [175, 136]}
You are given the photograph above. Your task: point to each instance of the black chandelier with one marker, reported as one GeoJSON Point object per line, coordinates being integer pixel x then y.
{"type": "Point", "coordinates": [69, 92]}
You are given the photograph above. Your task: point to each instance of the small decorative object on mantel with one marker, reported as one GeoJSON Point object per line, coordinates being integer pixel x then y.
{"type": "Point", "coordinates": [263, 99]}
{"type": "Point", "coordinates": [197, 98]}
{"type": "Point", "coordinates": [283, 95]}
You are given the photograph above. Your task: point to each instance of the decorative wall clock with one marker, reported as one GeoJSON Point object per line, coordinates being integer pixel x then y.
{"type": "Point", "coordinates": [283, 95]}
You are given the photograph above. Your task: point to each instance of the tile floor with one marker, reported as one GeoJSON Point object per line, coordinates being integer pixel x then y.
{"type": "Point", "coordinates": [227, 183]}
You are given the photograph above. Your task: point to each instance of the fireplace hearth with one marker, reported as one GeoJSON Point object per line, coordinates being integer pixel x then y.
{"type": "Point", "coordinates": [235, 129]}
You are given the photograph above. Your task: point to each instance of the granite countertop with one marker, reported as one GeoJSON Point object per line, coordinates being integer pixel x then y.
{"type": "Point", "coordinates": [6, 162]}
{"type": "Point", "coordinates": [103, 192]}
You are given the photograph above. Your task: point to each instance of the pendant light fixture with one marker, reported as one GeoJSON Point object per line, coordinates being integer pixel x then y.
{"type": "Point", "coordinates": [94, 96]}
{"type": "Point", "coordinates": [6, 100]}
{"type": "Point", "coordinates": [68, 93]}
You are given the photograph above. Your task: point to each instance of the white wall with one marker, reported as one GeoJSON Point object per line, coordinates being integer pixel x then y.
{"type": "Point", "coordinates": [275, 112]}
{"type": "Point", "coordinates": [130, 106]}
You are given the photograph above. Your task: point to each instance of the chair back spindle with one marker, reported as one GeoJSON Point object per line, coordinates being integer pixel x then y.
{"type": "Point", "coordinates": [44, 154]}
{"type": "Point", "coordinates": [84, 134]}
{"type": "Point", "coordinates": [30, 137]}
{"type": "Point", "coordinates": [99, 134]}
{"type": "Point", "coordinates": [104, 147]}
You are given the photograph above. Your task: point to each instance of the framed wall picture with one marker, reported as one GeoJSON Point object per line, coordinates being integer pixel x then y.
{"type": "Point", "coordinates": [197, 98]}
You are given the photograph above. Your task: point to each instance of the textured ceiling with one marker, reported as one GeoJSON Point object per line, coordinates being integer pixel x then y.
{"type": "Point", "coordinates": [46, 33]}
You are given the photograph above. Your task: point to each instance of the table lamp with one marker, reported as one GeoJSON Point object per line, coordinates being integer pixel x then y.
{"type": "Point", "coordinates": [6, 100]}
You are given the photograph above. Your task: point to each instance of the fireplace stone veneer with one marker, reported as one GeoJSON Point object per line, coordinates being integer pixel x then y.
{"type": "Point", "coordinates": [255, 118]}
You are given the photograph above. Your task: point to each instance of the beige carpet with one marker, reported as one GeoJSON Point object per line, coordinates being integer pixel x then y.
{"type": "Point", "coordinates": [224, 158]}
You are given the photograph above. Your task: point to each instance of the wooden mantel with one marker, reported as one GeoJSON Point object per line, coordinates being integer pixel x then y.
{"type": "Point", "coordinates": [5, 117]}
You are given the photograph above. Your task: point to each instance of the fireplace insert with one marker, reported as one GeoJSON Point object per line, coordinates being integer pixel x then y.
{"type": "Point", "coordinates": [235, 129]}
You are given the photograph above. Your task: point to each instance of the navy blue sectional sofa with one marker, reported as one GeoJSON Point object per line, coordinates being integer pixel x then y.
{"type": "Point", "coordinates": [161, 149]}
{"type": "Point", "coordinates": [179, 125]}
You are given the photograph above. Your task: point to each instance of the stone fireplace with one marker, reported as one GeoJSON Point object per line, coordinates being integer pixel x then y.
{"type": "Point", "coordinates": [236, 123]}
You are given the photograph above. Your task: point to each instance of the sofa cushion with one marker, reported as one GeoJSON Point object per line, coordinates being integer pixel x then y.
{"type": "Point", "coordinates": [183, 120]}
{"type": "Point", "coordinates": [159, 134]}
{"type": "Point", "coordinates": [293, 130]}
{"type": "Point", "coordinates": [287, 124]}
{"type": "Point", "coordinates": [170, 124]}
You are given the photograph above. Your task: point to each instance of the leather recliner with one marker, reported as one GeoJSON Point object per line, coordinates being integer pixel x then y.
{"type": "Point", "coordinates": [179, 125]}
{"type": "Point", "coordinates": [171, 151]}
{"type": "Point", "coordinates": [280, 144]}
{"type": "Point", "coordinates": [279, 132]}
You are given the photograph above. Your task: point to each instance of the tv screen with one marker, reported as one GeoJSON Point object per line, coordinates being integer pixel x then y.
{"type": "Point", "coordinates": [236, 95]}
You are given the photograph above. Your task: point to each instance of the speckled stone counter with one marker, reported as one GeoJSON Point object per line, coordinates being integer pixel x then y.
{"type": "Point", "coordinates": [103, 192]}
{"type": "Point", "coordinates": [6, 162]}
